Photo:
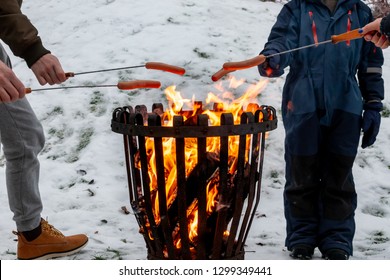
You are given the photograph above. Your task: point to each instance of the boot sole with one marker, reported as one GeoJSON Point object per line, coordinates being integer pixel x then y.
{"type": "Point", "coordinates": [58, 254]}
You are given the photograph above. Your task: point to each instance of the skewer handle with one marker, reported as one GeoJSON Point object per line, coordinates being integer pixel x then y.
{"type": "Point", "coordinates": [350, 35]}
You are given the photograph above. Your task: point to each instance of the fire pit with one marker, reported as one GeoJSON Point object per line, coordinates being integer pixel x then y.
{"type": "Point", "coordinates": [194, 176]}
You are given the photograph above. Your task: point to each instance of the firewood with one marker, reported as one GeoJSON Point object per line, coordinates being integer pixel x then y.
{"type": "Point", "coordinates": [203, 170]}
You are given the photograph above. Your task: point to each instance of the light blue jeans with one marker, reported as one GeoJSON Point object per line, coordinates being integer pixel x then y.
{"type": "Point", "coordinates": [22, 139]}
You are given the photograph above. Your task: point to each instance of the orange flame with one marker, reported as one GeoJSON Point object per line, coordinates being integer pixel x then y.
{"type": "Point", "coordinates": [227, 103]}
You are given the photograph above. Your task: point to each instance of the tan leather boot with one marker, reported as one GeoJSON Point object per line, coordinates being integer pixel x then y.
{"type": "Point", "coordinates": [51, 243]}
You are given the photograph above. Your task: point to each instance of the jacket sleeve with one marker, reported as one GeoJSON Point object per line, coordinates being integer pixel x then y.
{"type": "Point", "coordinates": [370, 73]}
{"type": "Point", "coordinates": [19, 34]}
{"type": "Point", "coordinates": [283, 36]}
{"type": "Point", "coordinates": [385, 25]}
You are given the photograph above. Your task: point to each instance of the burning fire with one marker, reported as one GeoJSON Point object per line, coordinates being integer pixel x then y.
{"type": "Point", "coordinates": [225, 103]}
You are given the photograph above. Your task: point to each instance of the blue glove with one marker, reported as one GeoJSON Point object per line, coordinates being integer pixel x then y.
{"type": "Point", "coordinates": [371, 123]}
{"type": "Point", "coordinates": [271, 67]}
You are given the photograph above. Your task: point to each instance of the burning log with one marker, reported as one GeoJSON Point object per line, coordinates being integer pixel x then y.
{"type": "Point", "coordinates": [202, 171]}
{"type": "Point", "coordinates": [213, 210]}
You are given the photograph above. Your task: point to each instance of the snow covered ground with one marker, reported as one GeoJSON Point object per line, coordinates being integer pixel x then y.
{"type": "Point", "coordinates": [83, 177]}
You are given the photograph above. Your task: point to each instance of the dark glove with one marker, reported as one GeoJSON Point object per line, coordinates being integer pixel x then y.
{"type": "Point", "coordinates": [271, 67]}
{"type": "Point", "coordinates": [371, 123]}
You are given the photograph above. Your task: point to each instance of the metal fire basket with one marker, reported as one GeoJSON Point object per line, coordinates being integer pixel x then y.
{"type": "Point", "coordinates": [221, 234]}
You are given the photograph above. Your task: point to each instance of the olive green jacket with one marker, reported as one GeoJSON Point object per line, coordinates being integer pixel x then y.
{"type": "Point", "coordinates": [18, 33]}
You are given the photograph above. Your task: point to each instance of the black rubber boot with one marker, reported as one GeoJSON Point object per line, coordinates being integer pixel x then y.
{"type": "Point", "coordinates": [336, 254]}
{"type": "Point", "coordinates": [302, 252]}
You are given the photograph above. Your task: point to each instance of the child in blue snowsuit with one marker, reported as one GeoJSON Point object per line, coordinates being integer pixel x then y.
{"type": "Point", "coordinates": [327, 89]}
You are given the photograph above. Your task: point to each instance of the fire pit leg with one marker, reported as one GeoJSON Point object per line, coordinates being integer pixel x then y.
{"type": "Point", "coordinates": [239, 183]}
{"type": "Point", "coordinates": [223, 203]}
{"type": "Point", "coordinates": [155, 120]}
{"type": "Point", "coordinates": [181, 191]}
{"type": "Point", "coordinates": [261, 115]}
{"type": "Point", "coordinates": [157, 246]}
{"type": "Point", "coordinates": [202, 196]}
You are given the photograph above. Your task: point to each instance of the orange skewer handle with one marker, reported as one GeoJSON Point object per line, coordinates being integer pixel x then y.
{"type": "Point", "coordinates": [350, 35]}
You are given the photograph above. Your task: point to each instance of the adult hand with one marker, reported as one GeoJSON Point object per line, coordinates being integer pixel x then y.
{"type": "Point", "coordinates": [373, 34]}
{"type": "Point", "coordinates": [372, 26]}
{"type": "Point", "coordinates": [11, 88]}
{"type": "Point", "coordinates": [380, 40]}
{"type": "Point", "coordinates": [48, 70]}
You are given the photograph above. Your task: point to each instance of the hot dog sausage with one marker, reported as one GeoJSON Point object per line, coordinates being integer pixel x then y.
{"type": "Point", "coordinates": [139, 84]}
{"type": "Point", "coordinates": [245, 63]}
{"type": "Point", "coordinates": [165, 67]}
{"type": "Point", "coordinates": [218, 75]}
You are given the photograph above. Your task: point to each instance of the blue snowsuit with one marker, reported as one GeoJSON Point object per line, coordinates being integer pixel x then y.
{"type": "Point", "coordinates": [322, 105]}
